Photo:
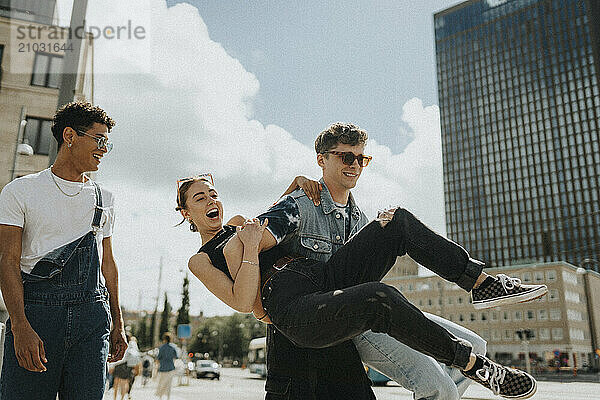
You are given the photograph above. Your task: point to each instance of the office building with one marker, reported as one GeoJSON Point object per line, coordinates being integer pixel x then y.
{"type": "Point", "coordinates": [520, 114]}
{"type": "Point", "coordinates": [564, 325]}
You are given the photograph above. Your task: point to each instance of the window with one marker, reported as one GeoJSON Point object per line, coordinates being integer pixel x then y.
{"type": "Point", "coordinates": [557, 333]}
{"type": "Point", "coordinates": [47, 69]}
{"type": "Point", "coordinates": [505, 316]}
{"type": "Point", "coordinates": [539, 276]}
{"type": "Point", "coordinates": [542, 315]}
{"type": "Point", "coordinates": [576, 334]}
{"type": "Point", "coordinates": [574, 315]}
{"type": "Point", "coordinates": [530, 315]}
{"type": "Point", "coordinates": [573, 297]}
{"type": "Point", "coordinates": [544, 334]}
{"type": "Point", "coordinates": [495, 334]}
{"type": "Point", "coordinates": [38, 134]}
{"type": "Point", "coordinates": [508, 334]}
{"type": "Point", "coordinates": [555, 314]}
{"type": "Point", "coordinates": [569, 277]}
{"type": "Point", "coordinates": [526, 277]}
{"type": "Point", "coordinates": [553, 295]}
{"type": "Point", "coordinates": [518, 315]}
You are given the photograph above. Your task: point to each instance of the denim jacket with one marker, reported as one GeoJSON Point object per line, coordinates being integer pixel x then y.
{"type": "Point", "coordinates": [322, 229]}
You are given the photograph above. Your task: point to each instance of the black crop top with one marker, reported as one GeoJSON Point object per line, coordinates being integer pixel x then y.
{"type": "Point", "coordinates": [214, 249]}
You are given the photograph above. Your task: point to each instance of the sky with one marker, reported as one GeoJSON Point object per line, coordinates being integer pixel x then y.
{"type": "Point", "coordinates": [240, 90]}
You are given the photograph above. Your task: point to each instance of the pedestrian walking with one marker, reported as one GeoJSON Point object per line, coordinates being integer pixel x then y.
{"type": "Point", "coordinates": [167, 354]}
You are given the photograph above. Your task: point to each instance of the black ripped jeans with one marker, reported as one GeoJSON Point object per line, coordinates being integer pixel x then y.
{"type": "Point", "coordinates": [320, 304]}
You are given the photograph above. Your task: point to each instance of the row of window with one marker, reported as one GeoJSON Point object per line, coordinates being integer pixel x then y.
{"type": "Point", "coordinates": [478, 81]}
{"type": "Point", "coordinates": [537, 179]}
{"type": "Point", "coordinates": [510, 124]}
{"type": "Point", "coordinates": [526, 57]}
{"type": "Point", "coordinates": [528, 25]}
{"type": "Point", "coordinates": [518, 73]}
{"type": "Point", "coordinates": [510, 121]}
{"type": "Point", "coordinates": [537, 334]}
{"type": "Point", "coordinates": [546, 243]}
{"type": "Point", "coordinates": [485, 108]}
{"type": "Point", "coordinates": [542, 314]}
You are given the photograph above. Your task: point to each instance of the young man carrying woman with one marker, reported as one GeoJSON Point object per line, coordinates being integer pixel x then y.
{"type": "Point", "coordinates": [317, 304]}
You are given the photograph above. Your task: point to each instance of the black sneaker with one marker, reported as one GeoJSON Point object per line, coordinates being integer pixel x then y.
{"type": "Point", "coordinates": [502, 290]}
{"type": "Point", "coordinates": [503, 381]}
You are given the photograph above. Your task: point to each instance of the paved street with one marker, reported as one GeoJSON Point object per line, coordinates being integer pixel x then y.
{"type": "Point", "coordinates": [236, 384]}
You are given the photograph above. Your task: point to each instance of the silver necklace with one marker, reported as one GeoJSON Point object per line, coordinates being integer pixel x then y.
{"type": "Point", "coordinates": [62, 191]}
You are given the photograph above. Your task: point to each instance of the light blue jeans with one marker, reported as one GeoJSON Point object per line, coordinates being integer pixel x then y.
{"type": "Point", "coordinates": [421, 374]}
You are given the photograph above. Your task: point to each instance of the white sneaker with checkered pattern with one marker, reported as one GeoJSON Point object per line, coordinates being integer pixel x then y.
{"type": "Point", "coordinates": [507, 382]}
{"type": "Point", "coordinates": [505, 290]}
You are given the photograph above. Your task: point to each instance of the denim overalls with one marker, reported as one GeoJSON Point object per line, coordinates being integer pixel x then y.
{"type": "Point", "coordinates": [67, 306]}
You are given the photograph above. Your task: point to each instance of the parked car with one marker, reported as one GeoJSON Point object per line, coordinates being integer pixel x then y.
{"type": "Point", "coordinates": [208, 369]}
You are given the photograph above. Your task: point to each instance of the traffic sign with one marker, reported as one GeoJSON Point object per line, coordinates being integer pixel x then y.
{"type": "Point", "coordinates": [184, 331]}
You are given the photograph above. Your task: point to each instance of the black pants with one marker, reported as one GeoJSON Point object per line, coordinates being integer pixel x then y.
{"type": "Point", "coordinates": [318, 305]}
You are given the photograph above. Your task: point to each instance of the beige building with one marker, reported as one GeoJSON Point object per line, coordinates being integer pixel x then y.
{"type": "Point", "coordinates": [31, 58]}
{"type": "Point", "coordinates": [564, 323]}
{"type": "Point", "coordinates": [32, 49]}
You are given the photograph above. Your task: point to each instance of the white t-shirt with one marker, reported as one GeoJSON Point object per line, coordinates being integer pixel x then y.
{"type": "Point", "coordinates": [49, 218]}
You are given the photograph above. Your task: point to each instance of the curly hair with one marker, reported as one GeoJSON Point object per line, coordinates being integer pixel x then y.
{"type": "Point", "coordinates": [78, 115]}
{"type": "Point", "coordinates": [339, 133]}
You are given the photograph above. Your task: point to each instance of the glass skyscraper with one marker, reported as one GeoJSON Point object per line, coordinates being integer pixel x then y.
{"type": "Point", "coordinates": [520, 116]}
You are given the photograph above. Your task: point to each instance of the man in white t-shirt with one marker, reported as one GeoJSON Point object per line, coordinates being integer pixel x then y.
{"type": "Point", "coordinates": [57, 271]}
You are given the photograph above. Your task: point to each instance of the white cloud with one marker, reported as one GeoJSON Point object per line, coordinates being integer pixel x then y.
{"type": "Point", "coordinates": [193, 113]}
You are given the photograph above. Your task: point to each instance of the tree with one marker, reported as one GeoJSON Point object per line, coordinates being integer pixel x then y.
{"type": "Point", "coordinates": [233, 338]}
{"type": "Point", "coordinates": [183, 314]}
{"type": "Point", "coordinates": [203, 342]}
{"type": "Point", "coordinates": [226, 336]}
{"type": "Point", "coordinates": [164, 318]}
{"type": "Point", "coordinates": [143, 333]}
{"type": "Point", "coordinates": [151, 329]}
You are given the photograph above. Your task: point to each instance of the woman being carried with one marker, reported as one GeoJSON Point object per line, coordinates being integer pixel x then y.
{"type": "Point", "coordinates": [320, 304]}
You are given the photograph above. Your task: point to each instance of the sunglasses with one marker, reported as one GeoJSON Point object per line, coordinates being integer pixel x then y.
{"type": "Point", "coordinates": [102, 142]}
{"type": "Point", "coordinates": [207, 177]}
{"type": "Point", "coordinates": [348, 157]}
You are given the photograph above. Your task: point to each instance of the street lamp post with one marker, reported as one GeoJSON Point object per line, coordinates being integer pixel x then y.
{"type": "Point", "coordinates": [20, 147]}
{"type": "Point", "coordinates": [587, 291]}
{"type": "Point", "coordinates": [525, 335]}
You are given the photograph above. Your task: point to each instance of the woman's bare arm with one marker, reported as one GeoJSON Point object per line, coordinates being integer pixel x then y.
{"type": "Point", "coordinates": [239, 294]}
{"type": "Point", "coordinates": [241, 255]}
